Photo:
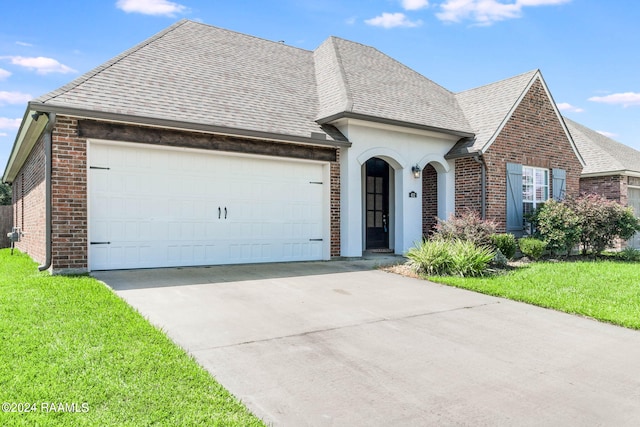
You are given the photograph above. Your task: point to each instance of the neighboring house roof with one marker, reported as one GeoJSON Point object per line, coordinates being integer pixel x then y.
{"type": "Point", "coordinates": [603, 155]}
{"type": "Point", "coordinates": [487, 108]}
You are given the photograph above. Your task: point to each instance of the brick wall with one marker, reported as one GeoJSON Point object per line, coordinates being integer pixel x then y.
{"type": "Point", "coordinates": [69, 198]}
{"type": "Point", "coordinates": [429, 199]}
{"type": "Point", "coordinates": [335, 206]}
{"type": "Point", "coordinates": [613, 187]}
{"type": "Point", "coordinates": [468, 186]}
{"type": "Point", "coordinates": [533, 136]}
{"type": "Point", "coordinates": [29, 204]}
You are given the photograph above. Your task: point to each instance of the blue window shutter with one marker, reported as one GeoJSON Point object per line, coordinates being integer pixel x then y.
{"type": "Point", "coordinates": [514, 198]}
{"type": "Point", "coordinates": [559, 183]}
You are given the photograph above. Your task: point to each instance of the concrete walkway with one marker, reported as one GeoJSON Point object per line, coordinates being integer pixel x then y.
{"type": "Point", "coordinates": [340, 344]}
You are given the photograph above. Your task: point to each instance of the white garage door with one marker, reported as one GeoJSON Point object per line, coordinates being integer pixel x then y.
{"type": "Point", "coordinates": [162, 207]}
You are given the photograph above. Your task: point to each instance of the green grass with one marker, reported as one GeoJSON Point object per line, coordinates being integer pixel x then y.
{"type": "Point", "coordinates": [72, 340]}
{"type": "Point", "coordinates": [605, 290]}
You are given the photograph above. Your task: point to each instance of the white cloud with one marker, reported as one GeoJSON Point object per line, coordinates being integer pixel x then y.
{"type": "Point", "coordinates": [541, 2]}
{"type": "Point", "coordinates": [351, 21]}
{"type": "Point", "coordinates": [607, 134]}
{"type": "Point", "coordinates": [625, 99]}
{"type": "Point", "coordinates": [19, 43]}
{"type": "Point", "coordinates": [414, 4]}
{"type": "Point", "coordinates": [3, 134]}
{"type": "Point", "coordinates": [391, 20]}
{"type": "Point", "coordinates": [14, 97]}
{"type": "Point", "coordinates": [4, 74]}
{"type": "Point", "coordinates": [6, 123]}
{"type": "Point", "coordinates": [151, 7]}
{"type": "Point", "coordinates": [40, 64]}
{"type": "Point", "coordinates": [486, 12]}
{"type": "Point", "coordinates": [565, 106]}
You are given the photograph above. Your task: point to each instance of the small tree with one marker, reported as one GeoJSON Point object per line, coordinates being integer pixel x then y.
{"type": "Point", "coordinates": [603, 221]}
{"type": "Point", "coordinates": [558, 225]}
{"type": "Point", "coordinates": [5, 194]}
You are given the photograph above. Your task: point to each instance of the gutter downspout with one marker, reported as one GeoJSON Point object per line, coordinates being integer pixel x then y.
{"type": "Point", "coordinates": [483, 183]}
{"type": "Point", "coordinates": [48, 136]}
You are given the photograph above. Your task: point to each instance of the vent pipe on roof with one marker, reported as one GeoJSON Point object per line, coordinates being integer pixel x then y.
{"type": "Point", "coordinates": [483, 183]}
{"type": "Point", "coordinates": [48, 132]}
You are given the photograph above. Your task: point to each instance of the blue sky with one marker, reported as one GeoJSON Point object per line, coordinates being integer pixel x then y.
{"type": "Point", "coordinates": [588, 50]}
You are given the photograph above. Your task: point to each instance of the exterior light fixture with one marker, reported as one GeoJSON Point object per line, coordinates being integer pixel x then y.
{"type": "Point", "coordinates": [415, 170]}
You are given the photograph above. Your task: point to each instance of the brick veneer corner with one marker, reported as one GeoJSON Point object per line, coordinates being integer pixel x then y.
{"type": "Point", "coordinates": [335, 206]}
{"type": "Point", "coordinates": [68, 198]}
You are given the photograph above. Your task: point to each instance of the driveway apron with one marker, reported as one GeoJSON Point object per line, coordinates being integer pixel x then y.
{"type": "Point", "coordinates": [341, 344]}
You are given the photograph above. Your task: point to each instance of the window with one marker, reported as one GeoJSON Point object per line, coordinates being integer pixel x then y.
{"type": "Point", "coordinates": [527, 189]}
{"type": "Point", "coordinates": [535, 190]}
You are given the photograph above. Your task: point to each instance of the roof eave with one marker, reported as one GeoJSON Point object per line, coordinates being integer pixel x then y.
{"type": "Point", "coordinates": [625, 172]}
{"type": "Point", "coordinates": [189, 126]}
{"type": "Point", "coordinates": [462, 155]}
{"type": "Point", "coordinates": [392, 122]}
{"type": "Point", "coordinates": [28, 134]}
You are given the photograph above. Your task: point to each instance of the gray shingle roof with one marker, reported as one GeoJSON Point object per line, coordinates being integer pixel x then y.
{"type": "Point", "coordinates": [365, 81]}
{"type": "Point", "coordinates": [487, 107]}
{"type": "Point", "coordinates": [196, 73]}
{"type": "Point", "coordinates": [602, 154]}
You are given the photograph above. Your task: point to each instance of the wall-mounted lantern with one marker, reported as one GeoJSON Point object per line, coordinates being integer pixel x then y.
{"type": "Point", "coordinates": [415, 170]}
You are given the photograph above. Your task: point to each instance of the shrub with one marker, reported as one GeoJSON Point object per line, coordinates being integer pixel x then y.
{"type": "Point", "coordinates": [532, 247]}
{"type": "Point", "coordinates": [468, 226]}
{"type": "Point", "coordinates": [443, 258]}
{"type": "Point", "coordinates": [470, 260]}
{"type": "Point", "coordinates": [431, 257]}
{"type": "Point", "coordinates": [629, 254]}
{"type": "Point", "coordinates": [558, 225]}
{"type": "Point", "coordinates": [500, 260]}
{"type": "Point", "coordinates": [603, 221]}
{"type": "Point", "coordinates": [505, 243]}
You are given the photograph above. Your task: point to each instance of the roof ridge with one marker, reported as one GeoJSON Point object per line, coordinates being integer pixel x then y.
{"type": "Point", "coordinates": [343, 74]}
{"type": "Point", "coordinates": [99, 69]}
{"type": "Point", "coordinates": [532, 72]}
{"type": "Point", "coordinates": [281, 43]}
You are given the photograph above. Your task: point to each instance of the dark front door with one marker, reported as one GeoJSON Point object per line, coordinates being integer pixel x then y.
{"type": "Point", "coordinates": [377, 204]}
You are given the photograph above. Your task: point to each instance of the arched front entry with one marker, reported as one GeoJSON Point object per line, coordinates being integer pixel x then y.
{"type": "Point", "coordinates": [376, 204]}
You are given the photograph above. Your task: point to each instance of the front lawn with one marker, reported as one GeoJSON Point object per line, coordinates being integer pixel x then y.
{"type": "Point", "coordinates": [73, 353]}
{"type": "Point", "coordinates": [604, 290]}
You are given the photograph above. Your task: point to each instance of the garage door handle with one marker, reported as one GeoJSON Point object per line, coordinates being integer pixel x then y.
{"type": "Point", "coordinates": [225, 212]}
{"type": "Point", "coordinates": [219, 212]}
{"type": "Point", "coordinates": [100, 243]}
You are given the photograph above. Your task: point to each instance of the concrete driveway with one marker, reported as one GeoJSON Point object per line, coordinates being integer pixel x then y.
{"type": "Point", "coordinates": [340, 344]}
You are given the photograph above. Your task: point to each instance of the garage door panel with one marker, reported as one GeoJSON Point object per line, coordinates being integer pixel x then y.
{"type": "Point", "coordinates": [161, 207]}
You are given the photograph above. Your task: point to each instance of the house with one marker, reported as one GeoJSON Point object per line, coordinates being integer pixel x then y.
{"type": "Point", "coordinates": [612, 169]}
{"type": "Point", "coordinates": [205, 146]}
